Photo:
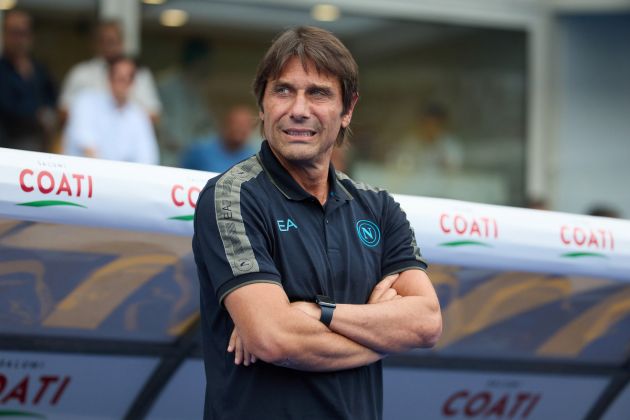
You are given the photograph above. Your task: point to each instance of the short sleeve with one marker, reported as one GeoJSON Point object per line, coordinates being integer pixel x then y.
{"type": "Point", "coordinates": [400, 249]}
{"type": "Point", "coordinates": [231, 241]}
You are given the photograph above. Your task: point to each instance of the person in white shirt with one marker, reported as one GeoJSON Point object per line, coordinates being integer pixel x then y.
{"type": "Point", "coordinates": [92, 74]}
{"type": "Point", "coordinates": [106, 124]}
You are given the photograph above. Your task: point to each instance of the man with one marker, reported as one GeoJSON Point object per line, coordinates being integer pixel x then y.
{"type": "Point", "coordinates": [27, 94]}
{"type": "Point", "coordinates": [308, 279]}
{"type": "Point", "coordinates": [218, 154]}
{"type": "Point", "coordinates": [107, 125]}
{"type": "Point", "coordinates": [92, 74]}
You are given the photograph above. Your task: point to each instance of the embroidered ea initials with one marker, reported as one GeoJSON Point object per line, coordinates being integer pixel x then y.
{"type": "Point", "coordinates": [285, 225]}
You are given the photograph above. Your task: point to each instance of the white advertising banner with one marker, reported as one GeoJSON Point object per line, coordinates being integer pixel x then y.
{"type": "Point", "coordinates": [69, 387]}
{"type": "Point", "coordinates": [54, 188]}
{"type": "Point", "coordinates": [414, 394]}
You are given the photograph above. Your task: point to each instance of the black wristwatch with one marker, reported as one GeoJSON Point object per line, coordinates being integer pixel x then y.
{"type": "Point", "coordinates": [328, 306]}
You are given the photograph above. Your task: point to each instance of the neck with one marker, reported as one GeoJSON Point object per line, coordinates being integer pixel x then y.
{"type": "Point", "coordinates": [310, 175]}
{"type": "Point", "coordinates": [120, 102]}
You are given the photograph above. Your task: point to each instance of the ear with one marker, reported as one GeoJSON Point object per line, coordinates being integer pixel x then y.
{"type": "Point", "coordinates": [261, 115]}
{"type": "Point", "coordinates": [347, 117]}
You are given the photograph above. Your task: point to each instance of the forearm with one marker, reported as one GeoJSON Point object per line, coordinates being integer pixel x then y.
{"type": "Point", "coordinates": [290, 334]}
{"type": "Point", "coordinates": [390, 327]}
{"type": "Point", "coordinates": [309, 345]}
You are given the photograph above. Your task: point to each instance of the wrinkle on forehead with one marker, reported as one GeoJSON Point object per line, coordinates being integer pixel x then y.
{"type": "Point", "coordinates": [306, 61]}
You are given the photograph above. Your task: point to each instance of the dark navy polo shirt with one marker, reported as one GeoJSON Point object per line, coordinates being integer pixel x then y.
{"type": "Point", "coordinates": [254, 223]}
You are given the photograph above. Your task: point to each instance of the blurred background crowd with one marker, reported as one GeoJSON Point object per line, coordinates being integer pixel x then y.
{"type": "Point", "coordinates": [525, 108]}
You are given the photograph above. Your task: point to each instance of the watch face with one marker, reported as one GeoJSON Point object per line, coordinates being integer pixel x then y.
{"type": "Point", "coordinates": [325, 301]}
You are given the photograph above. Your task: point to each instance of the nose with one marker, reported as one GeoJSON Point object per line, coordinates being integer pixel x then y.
{"type": "Point", "coordinates": [300, 109]}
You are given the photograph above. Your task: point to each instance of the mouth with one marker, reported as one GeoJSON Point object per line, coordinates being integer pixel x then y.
{"type": "Point", "coordinates": [299, 132]}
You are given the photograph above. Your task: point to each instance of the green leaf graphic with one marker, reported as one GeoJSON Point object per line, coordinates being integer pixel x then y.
{"type": "Point", "coordinates": [186, 218]}
{"type": "Point", "coordinates": [583, 254]}
{"type": "Point", "coordinates": [47, 203]}
{"type": "Point", "coordinates": [15, 413]}
{"type": "Point", "coordinates": [465, 243]}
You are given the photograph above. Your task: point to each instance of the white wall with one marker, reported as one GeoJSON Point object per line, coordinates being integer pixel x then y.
{"type": "Point", "coordinates": [591, 159]}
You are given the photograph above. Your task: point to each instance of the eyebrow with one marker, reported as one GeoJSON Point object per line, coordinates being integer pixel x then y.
{"type": "Point", "coordinates": [326, 88]}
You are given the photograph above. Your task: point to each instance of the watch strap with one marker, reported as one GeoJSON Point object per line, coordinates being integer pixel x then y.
{"type": "Point", "coordinates": [327, 314]}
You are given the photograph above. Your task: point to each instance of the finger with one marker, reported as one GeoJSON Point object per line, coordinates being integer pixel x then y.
{"type": "Point", "coordinates": [398, 297]}
{"type": "Point", "coordinates": [238, 350]}
{"type": "Point", "coordinates": [389, 280]}
{"type": "Point", "coordinates": [246, 357]}
{"type": "Point", "coordinates": [232, 341]}
{"type": "Point", "coordinates": [254, 359]}
{"type": "Point", "coordinates": [381, 287]}
{"type": "Point", "coordinates": [388, 295]}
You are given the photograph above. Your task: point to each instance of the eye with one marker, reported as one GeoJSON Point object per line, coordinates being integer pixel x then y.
{"type": "Point", "coordinates": [320, 92]}
{"type": "Point", "coordinates": [281, 90]}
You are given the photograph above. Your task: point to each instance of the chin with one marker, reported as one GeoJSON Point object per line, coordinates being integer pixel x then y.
{"type": "Point", "coordinates": [299, 155]}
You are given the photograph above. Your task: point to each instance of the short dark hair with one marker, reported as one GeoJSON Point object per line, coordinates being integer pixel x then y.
{"type": "Point", "coordinates": [324, 50]}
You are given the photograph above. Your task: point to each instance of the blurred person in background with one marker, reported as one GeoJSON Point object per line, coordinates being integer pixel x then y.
{"type": "Point", "coordinates": [429, 146]}
{"type": "Point", "coordinates": [536, 203]}
{"type": "Point", "coordinates": [27, 93]}
{"type": "Point", "coordinates": [108, 125]}
{"type": "Point", "coordinates": [187, 115]}
{"type": "Point", "coordinates": [92, 74]}
{"type": "Point", "coordinates": [219, 153]}
{"type": "Point", "coordinates": [604, 210]}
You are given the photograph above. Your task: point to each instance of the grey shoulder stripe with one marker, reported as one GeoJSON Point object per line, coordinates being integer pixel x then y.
{"type": "Point", "coordinates": [227, 203]}
{"type": "Point", "coordinates": [414, 246]}
{"type": "Point", "coordinates": [358, 185]}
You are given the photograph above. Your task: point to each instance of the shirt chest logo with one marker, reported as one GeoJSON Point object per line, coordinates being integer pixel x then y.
{"type": "Point", "coordinates": [285, 225]}
{"type": "Point", "coordinates": [368, 232]}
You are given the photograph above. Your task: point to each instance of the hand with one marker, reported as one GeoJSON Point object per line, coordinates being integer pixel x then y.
{"type": "Point", "coordinates": [383, 291]}
{"type": "Point", "coordinates": [309, 308]}
{"type": "Point", "coordinates": [241, 354]}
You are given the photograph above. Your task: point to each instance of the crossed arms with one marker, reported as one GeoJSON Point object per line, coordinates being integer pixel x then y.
{"type": "Point", "coordinates": [402, 313]}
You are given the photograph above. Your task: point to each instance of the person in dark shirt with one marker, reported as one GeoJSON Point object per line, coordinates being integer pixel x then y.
{"type": "Point", "coordinates": [27, 93]}
{"type": "Point", "coordinates": [308, 279]}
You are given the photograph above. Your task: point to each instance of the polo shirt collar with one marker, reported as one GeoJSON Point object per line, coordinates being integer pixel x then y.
{"type": "Point", "coordinates": [288, 186]}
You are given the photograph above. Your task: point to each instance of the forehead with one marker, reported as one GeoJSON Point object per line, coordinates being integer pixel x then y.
{"type": "Point", "coordinates": [296, 71]}
{"type": "Point", "coordinates": [123, 68]}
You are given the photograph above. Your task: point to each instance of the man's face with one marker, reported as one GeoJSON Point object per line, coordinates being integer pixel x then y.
{"type": "Point", "coordinates": [109, 43]}
{"type": "Point", "coordinates": [302, 113]}
{"type": "Point", "coordinates": [17, 34]}
{"type": "Point", "coordinates": [121, 79]}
